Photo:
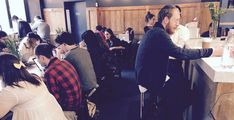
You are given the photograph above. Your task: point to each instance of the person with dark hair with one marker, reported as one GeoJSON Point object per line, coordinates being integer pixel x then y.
{"type": "Point", "coordinates": [27, 46]}
{"type": "Point", "coordinates": [81, 60]}
{"type": "Point", "coordinates": [112, 41]}
{"type": "Point", "coordinates": [23, 26]}
{"type": "Point", "coordinates": [131, 34]}
{"type": "Point", "coordinates": [131, 48]}
{"type": "Point", "coordinates": [209, 32]}
{"type": "Point", "coordinates": [101, 35]}
{"type": "Point", "coordinates": [151, 67]}
{"type": "Point", "coordinates": [3, 37]}
{"type": "Point", "coordinates": [96, 52]}
{"type": "Point", "coordinates": [61, 79]}
{"type": "Point", "coordinates": [25, 94]}
{"type": "Point", "coordinates": [150, 21]}
{"type": "Point", "coordinates": [42, 29]}
{"type": "Point", "coordinates": [103, 29]}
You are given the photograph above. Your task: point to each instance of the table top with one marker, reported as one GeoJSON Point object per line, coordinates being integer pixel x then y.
{"type": "Point", "coordinates": [212, 67]}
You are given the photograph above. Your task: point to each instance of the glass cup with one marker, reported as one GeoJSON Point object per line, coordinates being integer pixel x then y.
{"type": "Point", "coordinates": [206, 42]}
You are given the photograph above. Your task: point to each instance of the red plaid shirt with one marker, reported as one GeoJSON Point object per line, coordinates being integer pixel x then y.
{"type": "Point", "coordinates": [63, 82]}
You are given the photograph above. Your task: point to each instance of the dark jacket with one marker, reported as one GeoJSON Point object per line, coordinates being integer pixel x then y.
{"type": "Point", "coordinates": [23, 29]}
{"type": "Point", "coordinates": [153, 54]}
{"type": "Point", "coordinates": [113, 42]}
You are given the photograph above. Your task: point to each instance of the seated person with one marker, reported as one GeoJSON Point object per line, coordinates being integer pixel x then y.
{"type": "Point", "coordinates": [209, 32]}
{"type": "Point", "coordinates": [3, 37]}
{"type": "Point", "coordinates": [112, 41]}
{"type": "Point", "coordinates": [26, 95]}
{"type": "Point", "coordinates": [97, 53]}
{"type": "Point", "coordinates": [27, 46]}
{"type": "Point", "coordinates": [61, 78]}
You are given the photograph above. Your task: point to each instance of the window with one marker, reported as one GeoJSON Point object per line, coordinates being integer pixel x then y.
{"type": "Point", "coordinates": [16, 7]}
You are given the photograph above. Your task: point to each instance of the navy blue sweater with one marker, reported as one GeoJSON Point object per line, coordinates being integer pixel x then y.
{"type": "Point", "coordinates": [153, 55]}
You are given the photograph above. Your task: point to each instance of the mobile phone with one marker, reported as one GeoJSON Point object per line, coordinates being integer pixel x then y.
{"type": "Point", "coordinates": [38, 64]}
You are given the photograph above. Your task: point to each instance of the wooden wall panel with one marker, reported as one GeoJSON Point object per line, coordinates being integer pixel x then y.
{"type": "Point", "coordinates": [111, 19]}
{"type": "Point", "coordinates": [133, 18]}
{"type": "Point", "coordinates": [92, 18]}
{"type": "Point", "coordinates": [55, 17]}
{"type": "Point", "coordinates": [119, 18]}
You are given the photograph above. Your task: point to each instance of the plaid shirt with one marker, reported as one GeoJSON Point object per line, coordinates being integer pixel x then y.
{"type": "Point", "coordinates": [63, 82]}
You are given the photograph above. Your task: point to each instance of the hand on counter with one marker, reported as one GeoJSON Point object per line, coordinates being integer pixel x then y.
{"type": "Point", "coordinates": [217, 51]}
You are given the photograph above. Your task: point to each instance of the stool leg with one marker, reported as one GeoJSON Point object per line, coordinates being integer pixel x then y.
{"type": "Point", "coordinates": [141, 104]}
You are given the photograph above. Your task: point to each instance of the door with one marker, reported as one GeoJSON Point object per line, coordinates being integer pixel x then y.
{"type": "Point", "coordinates": [77, 20]}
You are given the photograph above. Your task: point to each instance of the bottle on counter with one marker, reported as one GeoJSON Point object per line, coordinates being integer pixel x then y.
{"type": "Point", "coordinates": [227, 60]}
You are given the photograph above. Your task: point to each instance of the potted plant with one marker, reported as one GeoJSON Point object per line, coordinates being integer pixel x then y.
{"type": "Point", "coordinates": [215, 13]}
{"type": "Point", "coordinates": [12, 45]}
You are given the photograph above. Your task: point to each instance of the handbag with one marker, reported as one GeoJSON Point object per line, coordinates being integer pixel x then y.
{"type": "Point", "coordinates": [91, 108]}
{"type": "Point", "coordinates": [70, 115]}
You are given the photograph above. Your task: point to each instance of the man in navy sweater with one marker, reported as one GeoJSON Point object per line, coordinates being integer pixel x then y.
{"type": "Point", "coordinates": [153, 54]}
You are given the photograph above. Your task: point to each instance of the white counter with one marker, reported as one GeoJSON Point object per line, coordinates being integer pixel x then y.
{"type": "Point", "coordinates": [211, 66]}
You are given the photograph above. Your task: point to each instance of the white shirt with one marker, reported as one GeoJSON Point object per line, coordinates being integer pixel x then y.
{"type": "Point", "coordinates": [30, 103]}
{"type": "Point", "coordinates": [42, 28]}
{"type": "Point", "coordinates": [180, 36]}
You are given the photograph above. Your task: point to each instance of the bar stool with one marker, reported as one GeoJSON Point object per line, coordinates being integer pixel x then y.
{"type": "Point", "coordinates": [142, 91]}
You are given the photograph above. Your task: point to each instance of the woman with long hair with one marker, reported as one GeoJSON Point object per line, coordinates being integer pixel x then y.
{"type": "Point", "coordinates": [150, 21]}
{"type": "Point", "coordinates": [25, 94]}
{"type": "Point", "coordinates": [97, 53]}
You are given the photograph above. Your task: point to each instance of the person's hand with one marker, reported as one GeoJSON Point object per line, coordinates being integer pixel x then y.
{"type": "Point", "coordinates": [217, 51]}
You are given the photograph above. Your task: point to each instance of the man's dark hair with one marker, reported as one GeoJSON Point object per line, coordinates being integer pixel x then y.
{"type": "Point", "coordinates": [2, 34]}
{"type": "Point", "coordinates": [65, 37]}
{"type": "Point", "coordinates": [178, 7]}
{"type": "Point", "coordinates": [166, 11]}
{"type": "Point", "coordinates": [44, 49]}
{"type": "Point", "coordinates": [14, 17]}
{"type": "Point", "coordinates": [99, 27]}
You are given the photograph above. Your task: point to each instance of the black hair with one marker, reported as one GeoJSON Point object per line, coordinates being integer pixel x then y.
{"type": "Point", "coordinates": [149, 16]}
{"type": "Point", "coordinates": [90, 38]}
{"type": "Point", "coordinates": [34, 35]}
{"type": "Point", "coordinates": [99, 27]}
{"type": "Point", "coordinates": [166, 11]}
{"type": "Point", "coordinates": [14, 17]}
{"type": "Point", "coordinates": [65, 37]}
{"type": "Point", "coordinates": [12, 75]}
{"type": "Point", "coordinates": [44, 49]}
{"type": "Point", "coordinates": [178, 7]}
{"type": "Point", "coordinates": [2, 46]}
{"type": "Point", "coordinates": [131, 33]}
{"type": "Point", "coordinates": [2, 34]}
{"type": "Point", "coordinates": [110, 32]}
{"type": "Point", "coordinates": [104, 29]}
